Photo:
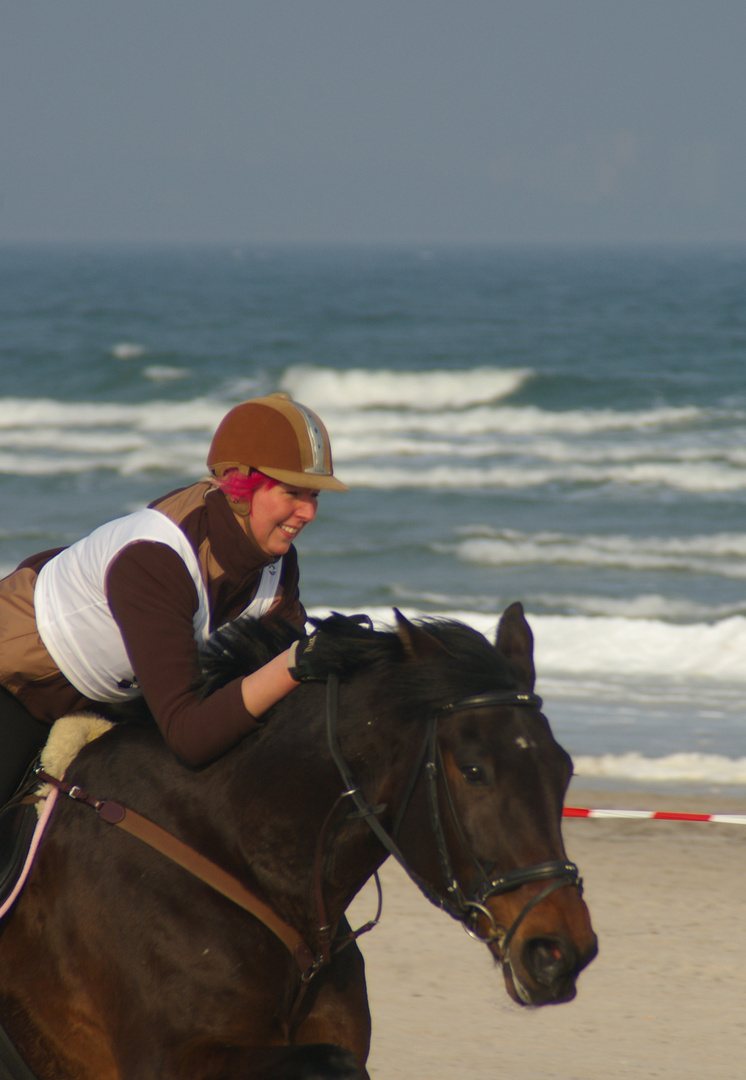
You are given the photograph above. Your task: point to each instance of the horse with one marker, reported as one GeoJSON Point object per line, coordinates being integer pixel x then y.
{"type": "Point", "coordinates": [425, 742]}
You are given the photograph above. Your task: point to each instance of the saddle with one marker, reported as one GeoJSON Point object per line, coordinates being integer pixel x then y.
{"type": "Point", "coordinates": [21, 819]}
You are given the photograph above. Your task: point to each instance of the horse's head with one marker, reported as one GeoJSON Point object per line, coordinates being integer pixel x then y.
{"type": "Point", "coordinates": [441, 742]}
{"type": "Point", "coordinates": [482, 827]}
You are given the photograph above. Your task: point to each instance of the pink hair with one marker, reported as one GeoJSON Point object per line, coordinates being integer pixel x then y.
{"type": "Point", "coordinates": [241, 488]}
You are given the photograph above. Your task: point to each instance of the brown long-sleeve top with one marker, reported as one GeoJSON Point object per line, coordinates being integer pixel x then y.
{"type": "Point", "coordinates": [153, 600]}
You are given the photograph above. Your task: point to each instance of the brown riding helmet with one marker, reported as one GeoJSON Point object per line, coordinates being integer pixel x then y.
{"type": "Point", "coordinates": [280, 438]}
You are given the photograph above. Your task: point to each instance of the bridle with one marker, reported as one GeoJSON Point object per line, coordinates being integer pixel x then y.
{"type": "Point", "coordinates": [463, 905]}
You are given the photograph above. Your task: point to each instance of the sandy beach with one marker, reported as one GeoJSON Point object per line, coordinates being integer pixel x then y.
{"type": "Point", "coordinates": [664, 998]}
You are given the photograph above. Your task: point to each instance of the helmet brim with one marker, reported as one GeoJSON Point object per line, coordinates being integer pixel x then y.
{"type": "Point", "coordinates": [312, 481]}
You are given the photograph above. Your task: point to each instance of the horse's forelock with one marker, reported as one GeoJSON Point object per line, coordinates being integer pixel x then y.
{"type": "Point", "coordinates": [470, 663]}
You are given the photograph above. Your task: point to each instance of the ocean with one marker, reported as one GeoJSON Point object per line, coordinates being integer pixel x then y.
{"type": "Point", "coordinates": [563, 427]}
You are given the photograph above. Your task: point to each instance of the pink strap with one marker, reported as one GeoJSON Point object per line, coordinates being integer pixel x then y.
{"type": "Point", "coordinates": [49, 803]}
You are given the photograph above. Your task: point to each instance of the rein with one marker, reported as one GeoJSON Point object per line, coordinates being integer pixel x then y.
{"type": "Point", "coordinates": [465, 907]}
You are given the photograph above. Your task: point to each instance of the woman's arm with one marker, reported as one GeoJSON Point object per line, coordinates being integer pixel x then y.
{"type": "Point", "coordinates": [268, 685]}
{"type": "Point", "coordinates": [153, 600]}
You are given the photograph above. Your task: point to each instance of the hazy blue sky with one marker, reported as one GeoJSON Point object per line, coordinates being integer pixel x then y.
{"type": "Point", "coordinates": [373, 120]}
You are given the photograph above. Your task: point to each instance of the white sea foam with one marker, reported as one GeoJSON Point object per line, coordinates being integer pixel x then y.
{"type": "Point", "coordinates": [633, 650]}
{"type": "Point", "coordinates": [163, 373]}
{"type": "Point", "coordinates": [644, 606]}
{"type": "Point", "coordinates": [621, 678]}
{"type": "Point", "coordinates": [375, 434]}
{"type": "Point", "coordinates": [678, 477]}
{"type": "Point", "coordinates": [411, 476]}
{"type": "Point", "coordinates": [42, 436]}
{"type": "Point", "coordinates": [68, 440]}
{"type": "Point", "coordinates": [527, 428]}
{"type": "Point", "coordinates": [127, 350]}
{"type": "Point", "coordinates": [199, 414]}
{"type": "Point", "coordinates": [179, 458]}
{"type": "Point", "coordinates": [439, 434]}
{"type": "Point", "coordinates": [641, 606]}
{"type": "Point", "coordinates": [360, 389]}
{"type": "Point", "coordinates": [688, 768]}
{"type": "Point", "coordinates": [721, 554]}
{"type": "Point", "coordinates": [641, 648]}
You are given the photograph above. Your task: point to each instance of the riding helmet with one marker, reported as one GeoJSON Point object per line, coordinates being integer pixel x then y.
{"type": "Point", "coordinates": [279, 437]}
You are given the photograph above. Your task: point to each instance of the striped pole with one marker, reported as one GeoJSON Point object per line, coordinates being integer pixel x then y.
{"type": "Point", "coordinates": [657, 815]}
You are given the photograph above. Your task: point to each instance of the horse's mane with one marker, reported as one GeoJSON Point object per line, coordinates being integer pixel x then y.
{"type": "Point", "coordinates": [345, 644]}
{"type": "Point", "coordinates": [239, 647]}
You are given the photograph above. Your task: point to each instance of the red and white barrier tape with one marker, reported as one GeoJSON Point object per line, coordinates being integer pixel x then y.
{"type": "Point", "coordinates": [658, 815]}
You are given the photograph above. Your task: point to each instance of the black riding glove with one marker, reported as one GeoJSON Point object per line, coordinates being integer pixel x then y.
{"type": "Point", "coordinates": [316, 657]}
{"type": "Point", "coordinates": [301, 661]}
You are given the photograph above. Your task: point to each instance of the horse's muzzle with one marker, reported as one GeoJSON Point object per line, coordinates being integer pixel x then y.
{"type": "Point", "coordinates": [543, 970]}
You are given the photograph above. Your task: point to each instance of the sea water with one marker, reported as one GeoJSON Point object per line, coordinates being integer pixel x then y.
{"type": "Point", "coordinates": [566, 428]}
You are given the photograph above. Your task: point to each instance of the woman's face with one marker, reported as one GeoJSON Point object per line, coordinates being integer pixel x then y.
{"type": "Point", "coordinates": [279, 513]}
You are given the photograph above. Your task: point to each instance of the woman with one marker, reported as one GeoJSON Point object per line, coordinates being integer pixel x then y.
{"type": "Point", "coordinates": [120, 614]}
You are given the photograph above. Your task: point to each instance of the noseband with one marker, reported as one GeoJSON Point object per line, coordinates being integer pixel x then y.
{"type": "Point", "coordinates": [464, 906]}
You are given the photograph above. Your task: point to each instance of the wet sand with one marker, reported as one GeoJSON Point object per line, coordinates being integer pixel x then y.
{"type": "Point", "coordinates": [666, 996]}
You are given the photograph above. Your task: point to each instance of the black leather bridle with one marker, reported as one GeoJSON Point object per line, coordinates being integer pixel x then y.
{"type": "Point", "coordinates": [464, 906]}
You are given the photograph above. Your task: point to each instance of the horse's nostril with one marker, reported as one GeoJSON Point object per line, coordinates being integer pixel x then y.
{"type": "Point", "coordinates": [548, 961]}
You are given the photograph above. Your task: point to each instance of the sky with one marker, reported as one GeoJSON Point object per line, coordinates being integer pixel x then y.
{"type": "Point", "coordinates": [383, 121]}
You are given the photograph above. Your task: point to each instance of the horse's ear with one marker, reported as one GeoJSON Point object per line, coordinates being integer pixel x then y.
{"type": "Point", "coordinates": [516, 642]}
{"type": "Point", "coordinates": [418, 644]}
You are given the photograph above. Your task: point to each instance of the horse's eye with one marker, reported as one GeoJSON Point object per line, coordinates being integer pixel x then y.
{"type": "Point", "coordinates": [472, 774]}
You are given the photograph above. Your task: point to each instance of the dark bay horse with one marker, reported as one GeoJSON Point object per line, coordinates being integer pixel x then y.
{"type": "Point", "coordinates": [427, 743]}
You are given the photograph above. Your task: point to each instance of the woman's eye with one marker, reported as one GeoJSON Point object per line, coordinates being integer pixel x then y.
{"type": "Point", "coordinates": [472, 774]}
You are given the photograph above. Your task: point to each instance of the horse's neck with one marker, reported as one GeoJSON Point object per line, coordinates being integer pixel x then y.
{"type": "Point", "coordinates": [294, 813]}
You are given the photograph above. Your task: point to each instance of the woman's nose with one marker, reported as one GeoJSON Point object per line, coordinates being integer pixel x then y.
{"type": "Point", "coordinates": [306, 509]}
